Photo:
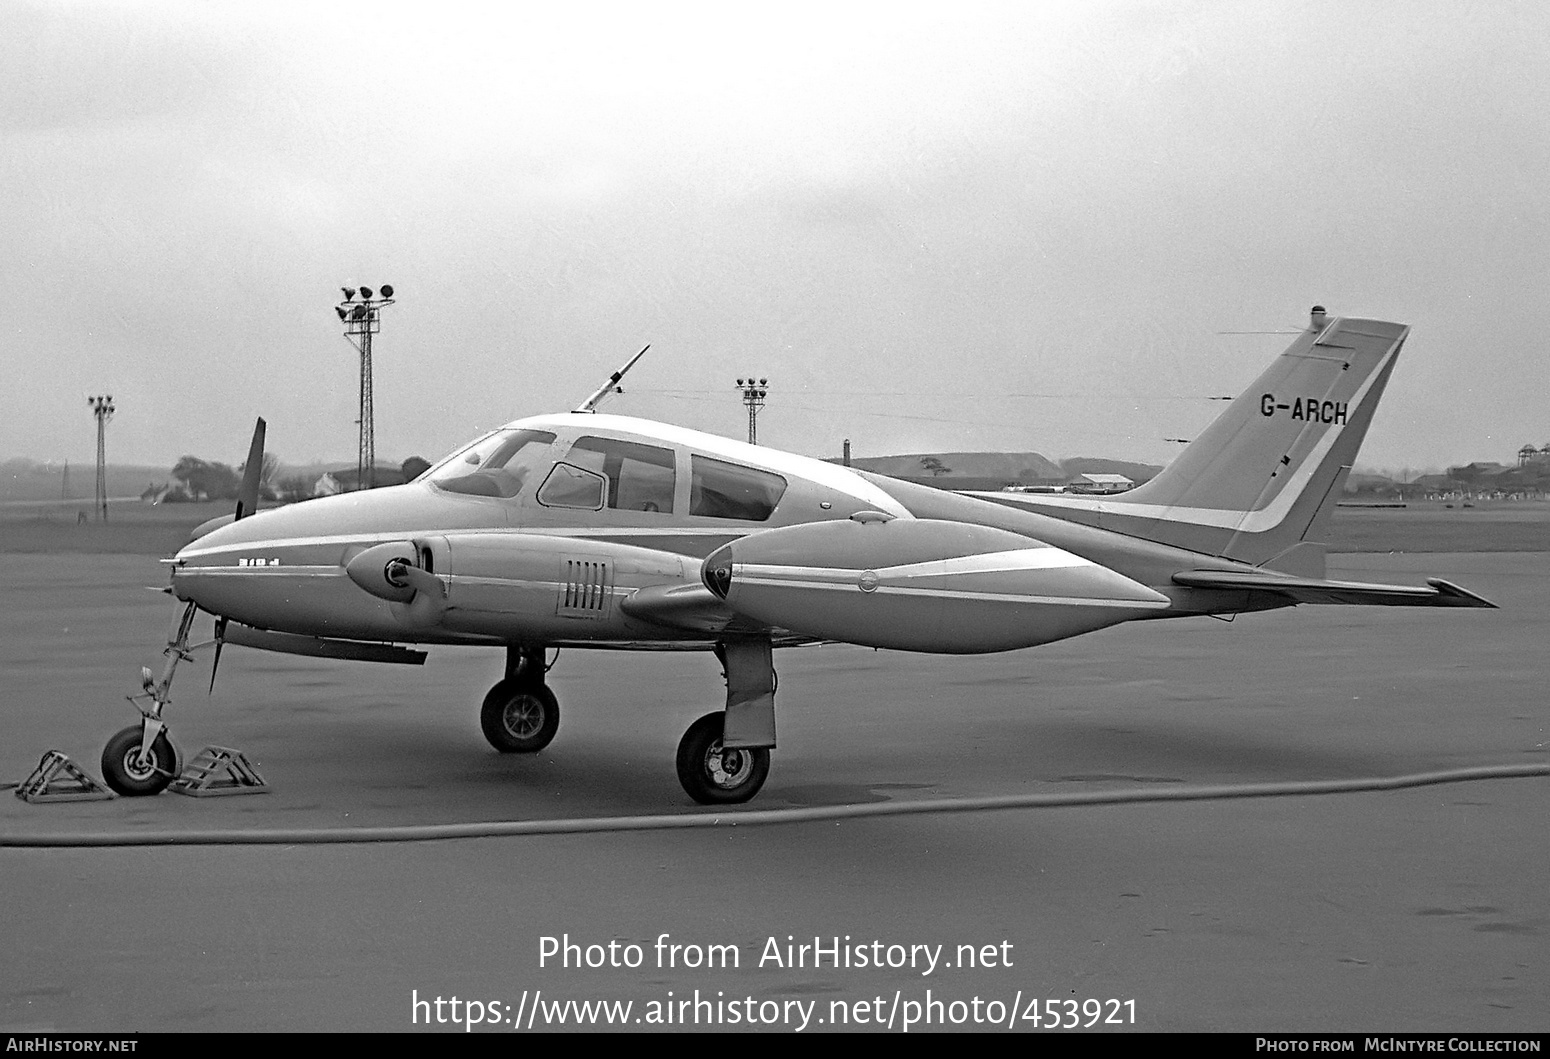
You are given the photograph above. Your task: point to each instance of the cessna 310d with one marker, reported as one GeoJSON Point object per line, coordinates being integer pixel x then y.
{"type": "Point", "coordinates": [590, 530]}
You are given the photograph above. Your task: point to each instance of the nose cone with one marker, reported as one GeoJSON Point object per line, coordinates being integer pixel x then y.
{"type": "Point", "coordinates": [330, 524]}
{"type": "Point", "coordinates": [290, 569]}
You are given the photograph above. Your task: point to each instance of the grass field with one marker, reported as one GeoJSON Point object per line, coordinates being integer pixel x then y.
{"type": "Point", "coordinates": [1506, 526]}
{"type": "Point", "coordinates": [141, 529]}
{"type": "Point", "coordinates": [131, 529]}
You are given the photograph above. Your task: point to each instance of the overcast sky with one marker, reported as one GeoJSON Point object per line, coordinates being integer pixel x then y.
{"type": "Point", "coordinates": [932, 227]}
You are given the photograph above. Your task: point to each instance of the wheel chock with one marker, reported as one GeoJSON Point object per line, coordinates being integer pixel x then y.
{"type": "Point", "coordinates": [219, 770]}
{"type": "Point", "coordinates": [58, 779]}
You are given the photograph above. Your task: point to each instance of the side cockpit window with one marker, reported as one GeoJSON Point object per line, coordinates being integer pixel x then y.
{"type": "Point", "coordinates": [730, 490]}
{"type": "Point", "coordinates": [640, 477]}
{"type": "Point", "coordinates": [498, 465]}
{"type": "Point", "coordinates": [574, 487]}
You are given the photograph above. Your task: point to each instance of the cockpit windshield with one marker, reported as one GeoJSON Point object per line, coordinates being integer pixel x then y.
{"type": "Point", "coordinates": [496, 465]}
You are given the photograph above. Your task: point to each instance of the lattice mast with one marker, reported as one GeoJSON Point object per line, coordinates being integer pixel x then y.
{"type": "Point", "coordinates": [754, 392]}
{"type": "Point", "coordinates": [102, 407]}
{"type": "Point", "coordinates": [362, 320]}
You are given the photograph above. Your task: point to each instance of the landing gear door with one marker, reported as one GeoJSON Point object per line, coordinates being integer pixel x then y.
{"type": "Point", "coordinates": [750, 721]}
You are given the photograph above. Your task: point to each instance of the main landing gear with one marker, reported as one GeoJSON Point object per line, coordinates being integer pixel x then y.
{"type": "Point", "coordinates": [724, 758]}
{"type": "Point", "coordinates": [141, 758]}
{"type": "Point", "coordinates": [520, 714]}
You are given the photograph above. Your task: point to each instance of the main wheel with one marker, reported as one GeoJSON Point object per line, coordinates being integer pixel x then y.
{"type": "Point", "coordinates": [713, 775]}
{"type": "Point", "coordinates": [519, 717]}
{"type": "Point", "coordinates": [129, 774]}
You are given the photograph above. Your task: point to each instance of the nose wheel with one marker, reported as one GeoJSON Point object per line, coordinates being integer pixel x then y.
{"type": "Point", "coordinates": [131, 770]}
{"type": "Point", "coordinates": [711, 773]}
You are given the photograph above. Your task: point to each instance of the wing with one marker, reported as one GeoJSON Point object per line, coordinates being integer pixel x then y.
{"type": "Point", "coordinates": [1437, 593]}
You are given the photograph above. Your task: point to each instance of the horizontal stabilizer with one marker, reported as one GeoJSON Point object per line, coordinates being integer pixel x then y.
{"type": "Point", "coordinates": [317, 647]}
{"type": "Point", "coordinates": [1439, 593]}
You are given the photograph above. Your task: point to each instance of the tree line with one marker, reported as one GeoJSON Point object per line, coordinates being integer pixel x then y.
{"type": "Point", "coordinates": [211, 480]}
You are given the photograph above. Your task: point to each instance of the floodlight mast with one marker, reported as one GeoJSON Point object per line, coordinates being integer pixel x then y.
{"type": "Point", "coordinates": [754, 391]}
{"type": "Point", "coordinates": [102, 407]}
{"type": "Point", "coordinates": [361, 321]}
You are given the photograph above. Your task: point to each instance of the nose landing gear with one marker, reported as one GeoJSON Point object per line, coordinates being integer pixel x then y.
{"type": "Point", "coordinates": [141, 759]}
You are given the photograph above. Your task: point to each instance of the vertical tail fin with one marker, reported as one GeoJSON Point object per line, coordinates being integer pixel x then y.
{"type": "Point", "coordinates": [1254, 484]}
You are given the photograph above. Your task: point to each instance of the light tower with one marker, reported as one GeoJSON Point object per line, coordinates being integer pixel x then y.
{"type": "Point", "coordinates": [360, 323]}
{"type": "Point", "coordinates": [753, 396]}
{"type": "Point", "coordinates": [102, 408]}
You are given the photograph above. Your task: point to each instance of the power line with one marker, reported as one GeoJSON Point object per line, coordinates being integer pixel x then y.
{"type": "Point", "coordinates": [966, 396]}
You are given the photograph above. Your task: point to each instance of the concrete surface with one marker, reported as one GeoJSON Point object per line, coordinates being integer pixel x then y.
{"type": "Point", "coordinates": [1416, 910]}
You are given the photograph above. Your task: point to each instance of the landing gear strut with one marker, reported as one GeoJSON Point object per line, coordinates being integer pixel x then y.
{"type": "Point", "coordinates": [141, 759]}
{"type": "Point", "coordinates": [724, 758]}
{"type": "Point", "coordinates": [520, 714]}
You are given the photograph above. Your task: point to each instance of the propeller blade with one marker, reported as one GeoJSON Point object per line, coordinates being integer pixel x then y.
{"type": "Point", "coordinates": [220, 642]}
{"type": "Point", "coordinates": [247, 498]}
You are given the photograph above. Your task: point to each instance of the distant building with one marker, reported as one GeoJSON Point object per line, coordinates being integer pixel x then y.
{"type": "Point", "coordinates": [347, 480]}
{"type": "Point", "coordinates": [155, 494]}
{"type": "Point", "coordinates": [1099, 484]}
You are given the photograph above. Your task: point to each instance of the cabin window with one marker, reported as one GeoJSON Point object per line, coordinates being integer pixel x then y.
{"type": "Point", "coordinates": [640, 477]}
{"type": "Point", "coordinates": [498, 465]}
{"type": "Point", "coordinates": [730, 490]}
{"type": "Point", "coordinates": [569, 486]}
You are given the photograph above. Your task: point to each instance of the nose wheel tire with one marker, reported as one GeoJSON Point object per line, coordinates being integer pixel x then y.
{"type": "Point", "coordinates": [710, 773]}
{"type": "Point", "coordinates": [128, 773]}
{"type": "Point", "coordinates": [519, 717]}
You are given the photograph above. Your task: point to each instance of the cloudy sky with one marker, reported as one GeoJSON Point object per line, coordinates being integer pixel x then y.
{"type": "Point", "coordinates": [932, 227]}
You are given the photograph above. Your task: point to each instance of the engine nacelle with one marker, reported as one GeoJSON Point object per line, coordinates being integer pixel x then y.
{"type": "Point", "coordinates": [921, 585]}
{"type": "Point", "coordinates": [508, 584]}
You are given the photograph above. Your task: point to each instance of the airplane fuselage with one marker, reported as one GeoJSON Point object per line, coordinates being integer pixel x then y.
{"type": "Point", "coordinates": [524, 558]}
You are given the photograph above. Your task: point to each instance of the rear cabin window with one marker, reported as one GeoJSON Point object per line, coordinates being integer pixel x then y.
{"type": "Point", "coordinates": [640, 477]}
{"type": "Point", "coordinates": [730, 490]}
{"type": "Point", "coordinates": [498, 465]}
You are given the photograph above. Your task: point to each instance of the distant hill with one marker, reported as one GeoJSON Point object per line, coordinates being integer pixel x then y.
{"type": "Point", "coordinates": [33, 480]}
{"type": "Point", "coordinates": [1025, 467]}
{"type": "Point", "coordinates": [36, 480]}
{"type": "Point", "coordinates": [1001, 468]}
{"type": "Point", "coordinates": [1136, 472]}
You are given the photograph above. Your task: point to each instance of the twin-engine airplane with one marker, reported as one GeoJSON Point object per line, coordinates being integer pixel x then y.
{"type": "Point", "coordinates": [589, 530]}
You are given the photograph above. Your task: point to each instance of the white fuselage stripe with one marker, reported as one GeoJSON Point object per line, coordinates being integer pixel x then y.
{"type": "Point", "coordinates": [949, 594]}
{"type": "Point", "coordinates": [193, 551]}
